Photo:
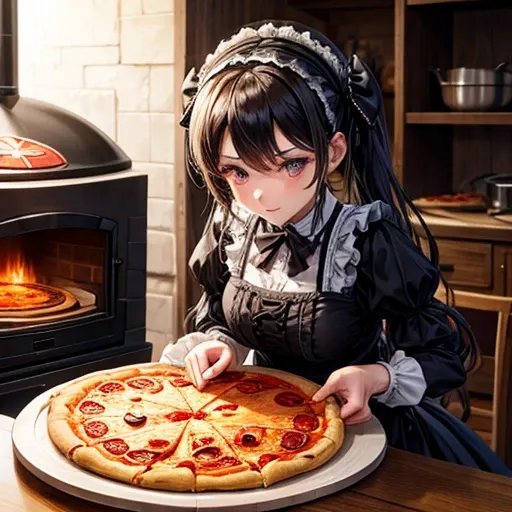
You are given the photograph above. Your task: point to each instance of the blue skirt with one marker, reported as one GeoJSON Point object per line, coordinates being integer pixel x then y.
{"type": "Point", "coordinates": [430, 430]}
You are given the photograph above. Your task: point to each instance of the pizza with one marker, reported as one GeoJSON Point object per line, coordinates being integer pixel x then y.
{"type": "Point", "coordinates": [151, 427]}
{"type": "Point", "coordinates": [28, 296]}
{"type": "Point", "coordinates": [465, 200]}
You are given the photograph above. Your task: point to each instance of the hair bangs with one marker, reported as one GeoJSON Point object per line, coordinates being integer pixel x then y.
{"type": "Point", "coordinates": [248, 103]}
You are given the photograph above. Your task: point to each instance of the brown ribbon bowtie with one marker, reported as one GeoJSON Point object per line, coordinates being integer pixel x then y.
{"type": "Point", "coordinates": [268, 244]}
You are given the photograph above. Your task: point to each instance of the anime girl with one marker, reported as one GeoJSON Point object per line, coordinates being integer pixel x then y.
{"type": "Point", "coordinates": [306, 276]}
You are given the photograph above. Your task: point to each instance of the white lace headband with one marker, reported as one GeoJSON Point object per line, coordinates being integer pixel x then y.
{"type": "Point", "coordinates": [362, 88]}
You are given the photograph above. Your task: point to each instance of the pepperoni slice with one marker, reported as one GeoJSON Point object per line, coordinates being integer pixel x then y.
{"type": "Point", "coordinates": [266, 458]}
{"type": "Point", "coordinates": [179, 415]}
{"type": "Point", "coordinates": [181, 383]}
{"type": "Point", "coordinates": [249, 437]}
{"type": "Point", "coordinates": [249, 386]}
{"type": "Point", "coordinates": [200, 415]}
{"type": "Point", "coordinates": [142, 456]}
{"type": "Point", "coordinates": [96, 429]}
{"type": "Point", "coordinates": [226, 407]}
{"type": "Point", "coordinates": [187, 464]}
{"type": "Point", "coordinates": [135, 420]}
{"type": "Point", "coordinates": [294, 440]}
{"type": "Point", "coordinates": [288, 399]}
{"type": "Point", "coordinates": [203, 441]}
{"type": "Point", "coordinates": [136, 398]}
{"type": "Point", "coordinates": [158, 443]}
{"type": "Point", "coordinates": [305, 422]}
{"type": "Point", "coordinates": [111, 387]}
{"type": "Point", "coordinates": [90, 407]}
{"type": "Point", "coordinates": [116, 446]}
{"type": "Point", "coordinates": [208, 453]}
{"type": "Point", "coordinates": [145, 384]}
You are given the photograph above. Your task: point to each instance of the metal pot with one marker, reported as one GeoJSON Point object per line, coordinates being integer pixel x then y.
{"type": "Point", "coordinates": [499, 191]}
{"type": "Point", "coordinates": [472, 89]}
{"type": "Point", "coordinates": [501, 75]}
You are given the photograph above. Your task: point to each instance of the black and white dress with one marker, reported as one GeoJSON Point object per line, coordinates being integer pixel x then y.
{"type": "Point", "coordinates": [314, 316]}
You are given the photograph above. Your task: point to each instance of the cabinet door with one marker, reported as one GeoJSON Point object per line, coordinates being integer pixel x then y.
{"type": "Point", "coordinates": [508, 273]}
{"type": "Point", "coordinates": [502, 270]}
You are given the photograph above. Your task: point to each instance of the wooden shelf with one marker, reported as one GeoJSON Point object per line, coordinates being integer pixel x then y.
{"type": "Point", "coordinates": [432, 2]}
{"type": "Point", "coordinates": [472, 118]}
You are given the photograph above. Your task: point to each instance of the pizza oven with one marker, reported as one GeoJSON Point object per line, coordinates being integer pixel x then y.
{"type": "Point", "coordinates": [73, 228]}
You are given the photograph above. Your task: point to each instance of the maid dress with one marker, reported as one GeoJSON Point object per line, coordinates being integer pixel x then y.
{"type": "Point", "coordinates": [311, 298]}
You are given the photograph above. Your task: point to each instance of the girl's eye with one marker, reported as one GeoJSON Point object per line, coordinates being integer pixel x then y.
{"type": "Point", "coordinates": [295, 167]}
{"type": "Point", "coordinates": [239, 176]}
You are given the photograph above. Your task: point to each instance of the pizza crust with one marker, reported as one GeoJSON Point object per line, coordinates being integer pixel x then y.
{"type": "Point", "coordinates": [63, 436]}
{"type": "Point", "coordinates": [168, 478]}
{"type": "Point", "coordinates": [91, 459]}
{"type": "Point", "coordinates": [335, 430]}
{"type": "Point", "coordinates": [303, 462]}
{"type": "Point", "coordinates": [247, 479]}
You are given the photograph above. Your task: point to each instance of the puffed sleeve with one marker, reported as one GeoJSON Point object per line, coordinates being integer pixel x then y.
{"type": "Point", "coordinates": [397, 283]}
{"type": "Point", "coordinates": [207, 318]}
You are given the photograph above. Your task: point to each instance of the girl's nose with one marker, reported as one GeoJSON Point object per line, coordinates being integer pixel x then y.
{"type": "Point", "coordinates": [257, 194]}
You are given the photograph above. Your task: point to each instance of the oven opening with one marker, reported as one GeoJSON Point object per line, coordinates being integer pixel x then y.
{"type": "Point", "coordinates": [53, 275]}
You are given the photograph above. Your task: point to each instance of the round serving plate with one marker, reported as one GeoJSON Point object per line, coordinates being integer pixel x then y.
{"type": "Point", "coordinates": [362, 451]}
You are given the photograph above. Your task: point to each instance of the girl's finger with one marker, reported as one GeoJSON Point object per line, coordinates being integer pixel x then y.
{"type": "Point", "coordinates": [220, 365]}
{"type": "Point", "coordinates": [198, 377]}
{"type": "Point", "coordinates": [190, 370]}
{"type": "Point", "coordinates": [353, 405]}
{"type": "Point", "coordinates": [362, 416]}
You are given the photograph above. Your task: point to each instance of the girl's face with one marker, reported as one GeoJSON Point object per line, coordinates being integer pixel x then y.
{"type": "Point", "coordinates": [285, 193]}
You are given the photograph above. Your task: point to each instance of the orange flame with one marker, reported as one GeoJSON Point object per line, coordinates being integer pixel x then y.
{"type": "Point", "coordinates": [16, 270]}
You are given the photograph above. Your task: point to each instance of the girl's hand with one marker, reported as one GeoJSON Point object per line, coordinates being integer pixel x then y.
{"type": "Point", "coordinates": [206, 361]}
{"type": "Point", "coordinates": [354, 385]}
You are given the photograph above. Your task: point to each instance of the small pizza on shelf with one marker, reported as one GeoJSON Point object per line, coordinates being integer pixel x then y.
{"type": "Point", "coordinates": [149, 426]}
{"type": "Point", "coordinates": [468, 200]}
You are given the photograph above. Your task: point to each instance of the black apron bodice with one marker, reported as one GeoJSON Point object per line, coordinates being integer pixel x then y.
{"type": "Point", "coordinates": [306, 333]}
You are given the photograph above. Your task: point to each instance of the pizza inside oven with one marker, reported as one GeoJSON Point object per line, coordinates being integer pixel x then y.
{"type": "Point", "coordinates": [28, 296]}
{"type": "Point", "coordinates": [151, 427]}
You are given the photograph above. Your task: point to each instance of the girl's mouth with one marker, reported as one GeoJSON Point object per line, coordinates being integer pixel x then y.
{"type": "Point", "coordinates": [274, 210]}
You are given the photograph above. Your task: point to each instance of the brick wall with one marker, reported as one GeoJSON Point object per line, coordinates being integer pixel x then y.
{"type": "Point", "coordinates": [111, 61]}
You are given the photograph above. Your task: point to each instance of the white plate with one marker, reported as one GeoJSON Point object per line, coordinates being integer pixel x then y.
{"type": "Point", "coordinates": [362, 451]}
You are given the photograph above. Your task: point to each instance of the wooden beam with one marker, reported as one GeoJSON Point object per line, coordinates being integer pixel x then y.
{"type": "Point", "coordinates": [180, 172]}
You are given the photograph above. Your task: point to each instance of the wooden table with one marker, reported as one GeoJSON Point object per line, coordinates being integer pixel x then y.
{"type": "Point", "coordinates": [403, 482]}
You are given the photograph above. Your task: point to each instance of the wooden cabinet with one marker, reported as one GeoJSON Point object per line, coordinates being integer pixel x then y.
{"type": "Point", "coordinates": [466, 264]}
{"type": "Point", "coordinates": [436, 150]}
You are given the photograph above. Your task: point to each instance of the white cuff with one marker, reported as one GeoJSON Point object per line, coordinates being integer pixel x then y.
{"type": "Point", "coordinates": [407, 384]}
{"type": "Point", "coordinates": [175, 353]}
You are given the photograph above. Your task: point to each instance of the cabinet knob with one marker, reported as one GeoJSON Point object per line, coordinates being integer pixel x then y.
{"type": "Point", "coordinates": [502, 266]}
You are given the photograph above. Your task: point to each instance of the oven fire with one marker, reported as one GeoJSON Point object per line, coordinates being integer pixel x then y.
{"type": "Point", "coordinates": [14, 269]}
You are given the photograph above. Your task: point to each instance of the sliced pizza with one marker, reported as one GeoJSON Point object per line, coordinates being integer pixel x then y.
{"type": "Point", "coordinates": [211, 462]}
{"type": "Point", "coordinates": [278, 453]}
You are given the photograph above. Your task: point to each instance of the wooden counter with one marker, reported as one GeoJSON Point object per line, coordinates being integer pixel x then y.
{"type": "Point", "coordinates": [403, 482]}
{"type": "Point", "coordinates": [469, 226]}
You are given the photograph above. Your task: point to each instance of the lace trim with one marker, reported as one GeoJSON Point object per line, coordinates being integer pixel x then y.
{"type": "Point", "coordinates": [340, 272]}
{"type": "Point", "coordinates": [271, 31]}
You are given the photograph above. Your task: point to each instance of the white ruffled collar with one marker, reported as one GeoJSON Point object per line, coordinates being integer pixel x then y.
{"type": "Point", "coordinates": [304, 225]}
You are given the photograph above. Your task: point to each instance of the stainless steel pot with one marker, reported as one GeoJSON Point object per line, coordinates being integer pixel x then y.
{"type": "Point", "coordinates": [472, 89]}
{"type": "Point", "coordinates": [501, 75]}
{"type": "Point", "coordinates": [499, 192]}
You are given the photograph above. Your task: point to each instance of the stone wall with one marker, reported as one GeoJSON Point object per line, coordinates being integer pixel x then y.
{"type": "Point", "coordinates": [111, 61]}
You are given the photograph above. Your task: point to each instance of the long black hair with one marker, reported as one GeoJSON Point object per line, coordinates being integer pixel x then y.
{"type": "Point", "coordinates": [249, 97]}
